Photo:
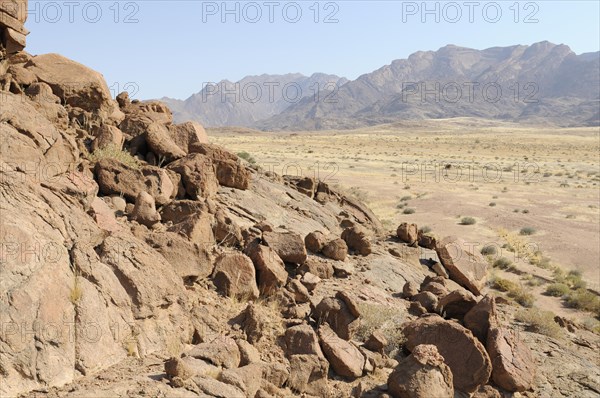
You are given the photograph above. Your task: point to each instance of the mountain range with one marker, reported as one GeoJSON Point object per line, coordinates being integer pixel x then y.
{"type": "Point", "coordinates": [543, 83]}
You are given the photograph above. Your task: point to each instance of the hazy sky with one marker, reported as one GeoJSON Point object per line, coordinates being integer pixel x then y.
{"type": "Point", "coordinates": [169, 48]}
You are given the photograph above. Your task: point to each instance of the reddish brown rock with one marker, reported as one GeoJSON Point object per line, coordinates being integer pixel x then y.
{"type": "Point", "coordinates": [234, 275]}
{"type": "Point", "coordinates": [376, 342]}
{"type": "Point", "coordinates": [423, 374]}
{"type": "Point", "coordinates": [288, 245]}
{"type": "Point", "coordinates": [315, 241]}
{"type": "Point", "coordinates": [302, 340]}
{"type": "Point", "coordinates": [481, 317]}
{"type": "Point", "coordinates": [230, 171]}
{"type": "Point", "coordinates": [465, 265]}
{"type": "Point", "coordinates": [513, 365]}
{"type": "Point", "coordinates": [187, 134]}
{"type": "Point", "coordinates": [336, 250]}
{"type": "Point", "coordinates": [456, 304]}
{"type": "Point", "coordinates": [198, 175]}
{"type": "Point", "coordinates": [144, 211]}
{"type": "Point", "coordinates": [337, 314]}
{"type": "Point", "coordinates": [108, 137]}
{"type": "Point", "coordinates": [408, 233]}
{"type": "Point", "coordinates": [357, 239]}
{"type": "Point", "coordinates": [428, 300]}
{"type": "Point", "coordinates": [270, 268]}
{"type": "Point", "coordinates": [318, 267]}
{"type": "Point", "coordinates": [410, 289]}
{"type": "Point", "coordinates": [308, 374]}
{"type": "Point", "coordinates": [345, 359]}
{"type": "Point", "coordinates": [462, 352]}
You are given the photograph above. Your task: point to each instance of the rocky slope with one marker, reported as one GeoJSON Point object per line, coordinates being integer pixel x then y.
{"type": "Point", "coordinates": [138, 259]}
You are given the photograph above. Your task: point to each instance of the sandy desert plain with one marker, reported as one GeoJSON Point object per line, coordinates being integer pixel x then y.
{"type": "Point", "coordinates": [532, 192]}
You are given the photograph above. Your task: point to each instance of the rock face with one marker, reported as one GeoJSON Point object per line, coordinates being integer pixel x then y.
{"type": "Point", "coordinates": [423, 374]}
{"type": "Point", "coordinates": [345, 359]}
{"type": "Point", "coordinates": [462, 352]}
{"type": "Point", "coordinates": [464, 264]}
{"type": "Point", "coordinates": [513, 366]}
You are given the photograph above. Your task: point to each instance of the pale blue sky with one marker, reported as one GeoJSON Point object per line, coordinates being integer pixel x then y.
{"type": "Point", "coordinates": [169, 48]}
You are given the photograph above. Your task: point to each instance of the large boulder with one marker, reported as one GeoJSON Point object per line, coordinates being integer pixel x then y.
{"type": "Point", "coordinates": [198, 175]}
{"type": "Point", "coordinates": [345, 359]}
{"type": "Point", "coordinates": [270, 269]}
{"type": "Point", "coordinates": [338, 315]}
{"type": "Point", "coordinates": [423, 374]}
{"type": "Point", "coordinates": [315, 241]}
{"type": "Point", "coordinates": [107, 136]}
{"type": "Point", "coordinates": [479, 318]}
{"type": "Point", "coordinates": [187, 134]}
{"type": "Point", "coordinates": [462, 352]}
{"type": "Point", "coordinates": [78, 85]}
{"type": "Point", "coordinates": [116, 178]}
{"type": "Point", "coordinates": [234, 276]}
{"type": "Point", "coordinates": [230, 171]}
{"type": "Point", "coordinates": [408, 233]}
{"type": "Point", "coordinates": [336, 249]}
{"type": "Point", "coordinates": [308, 374]}
{"type": "Point", "coordinates": [513, 365]}
{"type": "Point", "coordinates": [357, 239]}
{"type": "Point", "coordinates": [428, 300]}
{"type": "Point", "coordinates": [302, 340]}
{"type": "Point", "coordinates": [144, 211]}
{"type": "Point", "coordinates": [288, 245]}
{"type": "Point", "coordinates": [456, 304]}
{"type": "Point", "coordinates": [222, 351]}
{"type": "Point", "coordinates": [160, 143]}
{"type": "Point", "coordinates": [465, 265]}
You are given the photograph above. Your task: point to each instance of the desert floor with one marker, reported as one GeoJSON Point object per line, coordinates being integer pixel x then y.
{"type": "Point", "coordinates": [506, 176]}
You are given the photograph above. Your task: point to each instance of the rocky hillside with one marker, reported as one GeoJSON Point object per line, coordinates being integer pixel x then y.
{"type": "Point", "coordinates": [139, 260]}
{"type": "Point", "coordinates": [250, 100]}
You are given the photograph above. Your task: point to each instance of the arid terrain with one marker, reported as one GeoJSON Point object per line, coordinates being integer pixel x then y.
{"type": "Point", "coordinates": [507, 177]}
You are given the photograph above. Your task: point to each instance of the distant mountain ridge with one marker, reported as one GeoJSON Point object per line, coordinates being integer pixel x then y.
{"type": "Point", "coordinates": [540, 83]}
{"type": "Point", "coordinates": [250, 100]}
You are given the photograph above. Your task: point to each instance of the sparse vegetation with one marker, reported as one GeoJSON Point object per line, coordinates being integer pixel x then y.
{"type": "Point", "coordinates": [505, 264]}
{"type": "Point", "coordinates": [539, 321]}
{"type": "Point", "coordinates": [425, 229]}
{"type": "Point", "coordinates": [492, 204]}
{"type": "Point", "coordinates": [383, 318]}
{"type": "Point", "coordinates": [557, 290]}
{"type": "Point", "coordinates": [526, 231]}
{"type": "Point", "coordinates": [584, 300]}
{"type": "Point", "coordinates": [408, 210]}
{"type": "Point", "coordinates": [247, 157]}
{"type": "Point", "coordinates": [489, 250]}
{"type": "Point", "coordinates": [113, 152]}
{"type": "Point", "coordinates": [467, 221]}
{"type": "Point", "coordinates": [514, 291]}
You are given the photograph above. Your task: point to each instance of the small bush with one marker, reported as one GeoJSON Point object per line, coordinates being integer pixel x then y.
{"type": "Point", "coordinates": [467, 221]}
{"type": "Point", "coordinates": [405, 198]}
{"type": "Point", "coordinates": [489, 250]}
{"type": "Point", "coordinates": [584, 300]}
{"type": "Point", "coordinates": [425, 230]}
{"type": "Point", "coordinates": [541, 322]}
{"type": "Point", "coordinates": [503, 263]}
{"type": "Point", "coordinates": [504, 285]}
{"type": "Point", "coordinates": [247, 157]}
{"type": "Point", "coordinates": [526, 231]}
{"type": "Point", "coordinates": [113, 152]}
{"type": "Point", "coordinates": [557, 290]}
{"type": "Point", "coordinates": [514, 291]}
{"type": "Point", "coordinates": [408, 210]}
{"type": "Point", "coordinates": [383, 318]}
{"type": "Point", "coordinates": [493, 204]}
{"type": "Point", "coordinates": [525, 211]}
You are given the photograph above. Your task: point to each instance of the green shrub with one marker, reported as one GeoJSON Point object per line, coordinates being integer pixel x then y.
{"type": "Point", "coordinates": [488, 250]}
{"type": "Point", "coordinates": [247, 157]}
{"type": "Point", "coordinates": [425, 229]}
{"type": "Point", "coordinates": [492, 204]}
{"type": "Point", "coordinates": [541, 322]}
{"type": "Point", "coordinates": [408, 210]}
{"type": "Point", "coordinates": [526, 231]}
{"type": "Point", "coordinates": [503, 263]}
{"type": "Point", "coordinates": [116, 153]}
{"type": "Point", "coordinates": [405, 198]}
{"type": "Point", "coordinates": [557, 290]}
{"type": "Point", "coordinates": [467, 221]}
{"type": "Point", "coordinates": [583, 300]}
